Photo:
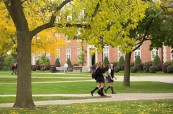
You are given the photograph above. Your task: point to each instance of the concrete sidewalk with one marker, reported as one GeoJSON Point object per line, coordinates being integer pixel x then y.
{"type": "Point", "coordinates": [110, 97]}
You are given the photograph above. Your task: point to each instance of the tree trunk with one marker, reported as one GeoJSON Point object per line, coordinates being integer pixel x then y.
{"type": "Point", "coordinates": [24, 86]}
{"type": "Point", "coordinates": [127, 70]}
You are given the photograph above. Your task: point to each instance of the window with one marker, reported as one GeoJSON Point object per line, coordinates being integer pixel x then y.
{"type": "Point", "coordinates": [68, 53]}
{"type": "Point", "coordinates": [154, 52]}
{"type": "Point", "coordinates": [119, 53]}
{"type": "Point", "coordinates": [78, 53]}
{"type": "Point", "coordinates": [137, 53]}
{"type": "Point", "coordinates": [106, 51]}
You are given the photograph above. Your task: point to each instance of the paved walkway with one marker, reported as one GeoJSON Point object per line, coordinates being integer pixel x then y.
{"type": "Point", "coordinates": [110, 97]}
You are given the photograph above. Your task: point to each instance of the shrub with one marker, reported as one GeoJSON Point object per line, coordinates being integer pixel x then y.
{"type": "Point", "coordinates": [147, 66]}
{"type": "Point", "coordinates": [69, 62]}
{"type": "Point", "coordinates": [140, 67]}
{"type": "Point", "coordinates": [122, 67]}
{"type": "Point", "coordinates": [156, 61]}
{"type": "Point", "coordinates": [152, 69]}
{"type": "Point", "coordinates": [159, 67]}
{"type": "Point", "coordinates": [106, 61]}
{"type": "Point", "coordinates": [37, 62]}
{"type": "Point", "coordinates": [164, 67]}
{"type": "Point", "coordinates": [170, 69]}
{"type": "Point", "coordinates": [131, 64]}
{"type": "Point", "coordinates": [137, 61]}
{"type": "Point", "coordinates": [44, 60]}
{"type": "Point", "coordinates": [121, 63]}
{"type": "Point", "coordinates": [134, 69]}
{"type": "Point", "coordinates": [117, 69]}
{"type": "Point", "coordinates": [33, 67]}
{"type": "Point", "coordinates": [168, 63]}
{"type": "Point", "coordinates": [57, 63]}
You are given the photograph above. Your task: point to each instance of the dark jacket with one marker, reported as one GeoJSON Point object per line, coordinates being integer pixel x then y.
{"type": "Point", "coordinates": [99, 75]}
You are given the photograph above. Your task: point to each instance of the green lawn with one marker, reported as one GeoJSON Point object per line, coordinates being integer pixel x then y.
{"type": "Point", "coordinates": [8, 86]}
{"type": "Point", "coordinates": [118, 107]}
{"type": "Point", "coordinates": [85, 87]}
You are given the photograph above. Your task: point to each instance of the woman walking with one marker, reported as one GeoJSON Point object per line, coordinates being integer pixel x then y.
{"type": "Point", "coordinates": [99, 79]}
{"type": "Point", "coordinates": [111, 79]}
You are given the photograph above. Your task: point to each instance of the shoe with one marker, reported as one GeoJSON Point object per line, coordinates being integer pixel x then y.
{"type": "Point", "coordinates": [103, 95]}
{"type": "Point", "coordinates": [91, 93]}
{"type": "Point", "coordinates": [113, 93]}
{"type": "Point", "coordinates": [99, 92]}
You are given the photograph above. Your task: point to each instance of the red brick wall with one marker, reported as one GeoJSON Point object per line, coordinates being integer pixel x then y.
{"type": "Point", "coordinates": [113, 53]}
{"type": "Point", "coordinates": [145, 52]}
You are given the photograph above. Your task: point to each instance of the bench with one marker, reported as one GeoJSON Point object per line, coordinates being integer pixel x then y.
{"type": "Point", "coordinates": [61, 69]}
{"type": "Point", "coordinates": [77, 68]}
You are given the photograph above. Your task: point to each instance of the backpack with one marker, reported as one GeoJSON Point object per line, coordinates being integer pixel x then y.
{"type": "Point", "coordinates": [93, 74]}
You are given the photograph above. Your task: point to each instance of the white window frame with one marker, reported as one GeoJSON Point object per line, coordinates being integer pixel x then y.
{"type": "Point", "coordinates": [137, 52]}
{"type": "Point", "coordinates": [79, 50]}
{"type": "Point", "coordinates": [119, 53]}
{"type": "Point", "coordinates": [154, 52]}
{"type": "Point", "coordinates": [68, 54]}
{"type": "Point", "coordinates": [106, 52]}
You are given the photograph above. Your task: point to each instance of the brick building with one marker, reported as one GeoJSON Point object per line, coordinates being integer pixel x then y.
{"type": "Point", "coordinates": [73, 48]}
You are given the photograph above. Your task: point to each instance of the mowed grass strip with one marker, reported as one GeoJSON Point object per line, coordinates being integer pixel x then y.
{"type": "Point", "coordinates": [86, 87]}
{"type": "Point", "coordinates": [117, 107]}
{"type": "Point", "coordinates": [43, 79]}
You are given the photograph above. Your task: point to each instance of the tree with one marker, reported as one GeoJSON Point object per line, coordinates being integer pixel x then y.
{"type": "Point", "coordinates": [57, 63]}
{"type": "Point", "coordinates": [106, 61]}
{"type": "Point", "coordinates": [121, 62]}
{"type": "Point", "coordinates": [81, 58]}
{"type": "Point", "coordinates": [103, 21]}
{"type": "Point", "coordinates": [19, 12]}
{"type": "Point", "coordinates": [44, 61]}
{"type": "Point", "coordinates": [137, 61]}
{"type": "Point", "coordinates": [156, 61]}
{"type": "Point", "coordinates": [141, 33]}
{"type": "Point", "coordinates": [47, 42]}
{"type": "Point", "coordinates": [69, 62]}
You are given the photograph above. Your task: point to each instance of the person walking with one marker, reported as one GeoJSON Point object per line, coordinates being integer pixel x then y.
{"type": "Point", "coordinates": [110, 79]}
{"type": "Point", "coordinates": [99, 79]}
{"type": "Point", "coordinates": [14, 68]}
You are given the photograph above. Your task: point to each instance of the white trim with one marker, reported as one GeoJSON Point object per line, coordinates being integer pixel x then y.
{"type": "Point", "coordinates": [106, 53]}
{"type": "Point", "coordinates": [119, 53]}
{"type": "Point", "coordinates": [79, 50]}
{"type": "Point", "coordinates": [172, 54]}
{"type": "Point", "coordinates": [89, 56]}
{"type": "Point", "coordinates": [137, 52]}
{"type": "Point", "coordinates": [68, 53]}
{"type": "Point", "coordinates": [155, 52]}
